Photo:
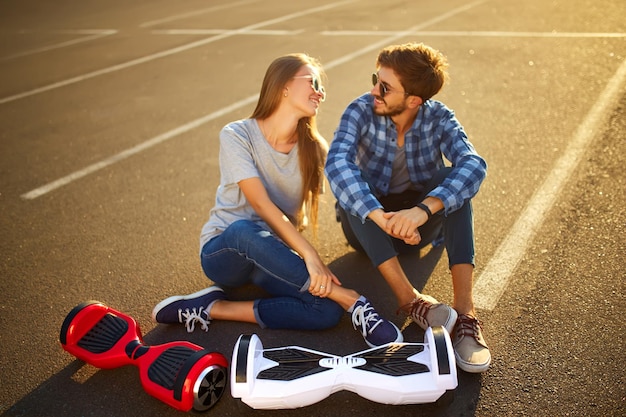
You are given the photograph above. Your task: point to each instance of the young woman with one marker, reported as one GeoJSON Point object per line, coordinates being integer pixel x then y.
{"type": "Point", "coordinates": [271, 168]}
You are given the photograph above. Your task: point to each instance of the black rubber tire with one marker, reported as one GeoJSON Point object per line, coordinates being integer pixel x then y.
{"type": "Point", "coordinates": [211, 388]}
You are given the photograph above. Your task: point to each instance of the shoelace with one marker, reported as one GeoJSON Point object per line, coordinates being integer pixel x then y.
{"type": "Point", "coordinates": [189, 318]}
{"type": "Point", "coordinates": [364, 314]}
{"type": "Point", "coordinates": [467, 325]}
{"type": "Point", "coordinates": [418, 310]}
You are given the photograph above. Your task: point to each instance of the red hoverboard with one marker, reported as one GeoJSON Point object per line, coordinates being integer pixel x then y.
{"type": "Point", "coordinates": [181, 374]}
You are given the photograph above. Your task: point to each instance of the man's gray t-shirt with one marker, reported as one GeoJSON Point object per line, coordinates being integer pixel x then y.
{"type": "Point", "coordinates": [245, 153]}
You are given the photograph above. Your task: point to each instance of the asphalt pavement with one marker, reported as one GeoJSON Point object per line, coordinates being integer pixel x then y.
{"type": "Point", "coordinates": [109, 121]}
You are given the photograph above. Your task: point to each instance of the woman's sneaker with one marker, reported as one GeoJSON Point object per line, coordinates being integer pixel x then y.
{"type": "Point", "coordinates": [375, 330]}
{"type": "Point", "coordinates": [188, 309]}
{"type": "Point", "coordinates": [428, 312]}
{"type": "Point", "coordinates": [470, 350]}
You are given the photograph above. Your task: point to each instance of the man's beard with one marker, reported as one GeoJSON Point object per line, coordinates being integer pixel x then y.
{"type": "Point", "coordinates": [391, 111]}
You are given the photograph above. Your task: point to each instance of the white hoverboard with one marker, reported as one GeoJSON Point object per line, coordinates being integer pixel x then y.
{"type": "Point", "coordinates": [293, 377]}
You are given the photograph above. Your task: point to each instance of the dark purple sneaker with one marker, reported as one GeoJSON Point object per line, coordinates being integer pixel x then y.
{"type": "Point", "coordinates": [375, 330]}
{"type": "Point", "coordinates": [188, 309]}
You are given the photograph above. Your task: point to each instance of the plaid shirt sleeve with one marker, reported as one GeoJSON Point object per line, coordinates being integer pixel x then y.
{"type": "Point", "coordinates": [469, 168]}
{"type": "Point", "coordinates": [344, 175]}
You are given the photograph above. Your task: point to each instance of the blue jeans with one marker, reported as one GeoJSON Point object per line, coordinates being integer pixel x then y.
{"type": "Point", "coordinates": [245, 253]}
{"type": "Point", "coordinates": [457, 228]}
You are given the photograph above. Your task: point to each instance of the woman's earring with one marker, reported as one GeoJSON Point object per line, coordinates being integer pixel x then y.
{"type": "Point", "coordinates": [286, 91]}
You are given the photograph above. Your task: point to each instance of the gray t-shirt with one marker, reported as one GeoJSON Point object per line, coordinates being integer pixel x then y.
{"type": "Point", "coordinates": [245, 153]}
{"type": "Point", "coordinates": [400, 180]}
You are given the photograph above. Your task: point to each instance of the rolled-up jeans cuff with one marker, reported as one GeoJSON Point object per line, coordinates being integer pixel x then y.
{"type": "Point", "coordinates": [257, 316]}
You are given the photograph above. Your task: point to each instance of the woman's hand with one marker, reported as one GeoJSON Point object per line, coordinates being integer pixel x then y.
{"type": "Point", "coordinates": [321, 277]}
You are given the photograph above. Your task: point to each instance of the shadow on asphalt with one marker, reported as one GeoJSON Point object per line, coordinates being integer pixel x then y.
{"type": "Point", "coordinates": [80, 389]}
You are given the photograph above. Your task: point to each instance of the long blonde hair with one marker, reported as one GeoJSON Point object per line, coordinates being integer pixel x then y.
{"type": "Point", "coordinates": [312, 147]}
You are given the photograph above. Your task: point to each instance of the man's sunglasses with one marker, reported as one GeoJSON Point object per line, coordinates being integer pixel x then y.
{"type": "Point", "coordinates": [316, 85]}
{"type": "Point", "coordinates": [384, 88]}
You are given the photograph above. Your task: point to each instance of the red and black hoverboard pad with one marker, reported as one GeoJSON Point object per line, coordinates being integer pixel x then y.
{"type": "Point", "coordinates": [181, 374]}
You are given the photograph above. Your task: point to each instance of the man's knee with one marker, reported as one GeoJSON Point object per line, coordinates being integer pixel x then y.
{"type": "Point", "coordinates": [348, 232]}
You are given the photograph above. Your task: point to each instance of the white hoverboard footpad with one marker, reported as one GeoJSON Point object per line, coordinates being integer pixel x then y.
{"type": "Point", "coordinates": [293, 376]}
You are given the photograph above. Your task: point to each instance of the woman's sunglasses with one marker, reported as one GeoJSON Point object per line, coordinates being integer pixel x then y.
{"type": "Point", "coordinates": [316, 84]}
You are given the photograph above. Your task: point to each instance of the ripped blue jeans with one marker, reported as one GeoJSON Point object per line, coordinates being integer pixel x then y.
{"type": "Point", "coordinates": [246, 253]}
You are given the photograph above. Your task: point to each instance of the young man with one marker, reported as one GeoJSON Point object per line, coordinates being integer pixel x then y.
{"type": "Point", "coordinates": [395, 195]}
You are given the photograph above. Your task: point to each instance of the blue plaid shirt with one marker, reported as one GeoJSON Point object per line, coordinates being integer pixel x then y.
{"type": "Point", "coordinates": [361, 156]}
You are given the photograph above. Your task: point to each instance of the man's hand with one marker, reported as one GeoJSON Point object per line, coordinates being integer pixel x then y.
{"type": "Point", "coordinates": [403, 224]}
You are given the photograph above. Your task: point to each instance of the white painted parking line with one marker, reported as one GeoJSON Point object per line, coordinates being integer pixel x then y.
{"type": "Point", "coordinates": [496, 34]}
{"type": "Point", "coordinates": [195, 13]}
{"type": "Point", "coordinates": [226, 31]}
{"type": "Point", "coordinates": [491, 284]}
{"type": "Point", "coordinates": [401, 34]}
{"type": "Point", "coordinates": [170, 52]}
{"type": "Point", "coordinates": [91, 35]}
{"type": "Point", "coordinates": [38, 192]}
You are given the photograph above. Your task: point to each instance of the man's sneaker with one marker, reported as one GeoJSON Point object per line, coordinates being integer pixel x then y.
{"type": "Point", "coordinates": [470, 350]}
{"type": "Point", "coordinates": [428, 312]}
{"type": "Point", "coordinates": [376, 330]}
{"type": "Point", "coordinates": [188, 309]}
